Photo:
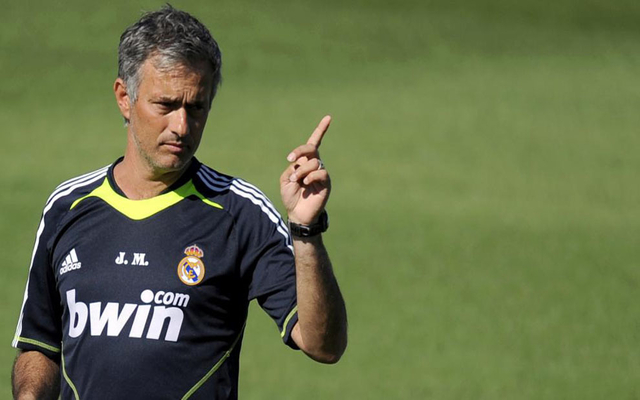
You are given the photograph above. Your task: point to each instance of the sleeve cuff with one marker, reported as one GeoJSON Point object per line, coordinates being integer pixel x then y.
{"type": "Point", "coordinates": [287, 327]}
{"type": "Point", "coordinates": [29, 344]}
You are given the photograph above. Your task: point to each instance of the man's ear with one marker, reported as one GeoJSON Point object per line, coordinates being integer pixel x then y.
{"type": "Point", "coordinates": [122, 98]}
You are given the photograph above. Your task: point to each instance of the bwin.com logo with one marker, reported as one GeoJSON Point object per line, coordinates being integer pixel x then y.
{"type": "Point", "coordinates": [163, 309]}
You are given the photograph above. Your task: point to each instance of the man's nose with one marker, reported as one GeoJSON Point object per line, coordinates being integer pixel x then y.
{"type": "Point", "coordinates": [180, 122]}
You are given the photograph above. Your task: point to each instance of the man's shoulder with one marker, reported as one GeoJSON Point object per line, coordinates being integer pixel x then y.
{"type": "Point", "coordinates": [235, 195]}
{"type": "Point", "coordinates": [231, 189]}
{"type": "Point", "coordinates": [71, 189]}
{"type": "Point", "coordinates": [250, 208]}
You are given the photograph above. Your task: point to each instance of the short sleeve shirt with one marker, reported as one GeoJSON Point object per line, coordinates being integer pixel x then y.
{"type": "Point", "coordinates": [149, 298]}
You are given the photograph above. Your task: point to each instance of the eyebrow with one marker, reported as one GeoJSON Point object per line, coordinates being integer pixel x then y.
{"type": "Point", "coordinates": [175, 100]}
{"type": "Point", "coordinates": [164, 99]}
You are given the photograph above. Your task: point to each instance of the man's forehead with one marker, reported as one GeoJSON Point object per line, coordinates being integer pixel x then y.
{"type": "Point", "coordinates": [166, 75]}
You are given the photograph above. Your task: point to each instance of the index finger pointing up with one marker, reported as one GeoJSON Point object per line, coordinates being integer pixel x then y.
{"type": "Point", "coordinates": [316, 137]}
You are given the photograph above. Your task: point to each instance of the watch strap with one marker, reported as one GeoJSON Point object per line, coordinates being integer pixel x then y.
{"type": "Point", "coordinates": [310, 230]}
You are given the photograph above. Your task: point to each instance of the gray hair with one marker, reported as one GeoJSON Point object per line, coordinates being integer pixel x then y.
{"type": "Point", "coordinates": [176, 37]}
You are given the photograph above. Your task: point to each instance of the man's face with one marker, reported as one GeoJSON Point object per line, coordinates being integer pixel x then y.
{"type": "Point", "coordinates": [169, 115]}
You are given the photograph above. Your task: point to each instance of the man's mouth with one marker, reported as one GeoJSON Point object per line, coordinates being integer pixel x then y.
{"type": "Point", "coordinates": [175, 147]}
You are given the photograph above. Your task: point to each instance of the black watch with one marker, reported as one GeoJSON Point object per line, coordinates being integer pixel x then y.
{"type": "Point", "coordinates": [310, 230]}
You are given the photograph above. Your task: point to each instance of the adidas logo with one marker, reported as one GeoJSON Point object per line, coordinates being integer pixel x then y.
{"type": "Point", "coordinates": [70, 262]}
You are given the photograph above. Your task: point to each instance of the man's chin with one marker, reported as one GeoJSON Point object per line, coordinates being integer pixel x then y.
{"type": "Point", "coordinates": [174, 163]}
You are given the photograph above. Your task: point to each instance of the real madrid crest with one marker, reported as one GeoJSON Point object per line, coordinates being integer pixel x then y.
{"type": "Point", "coordinates": [191, 268]}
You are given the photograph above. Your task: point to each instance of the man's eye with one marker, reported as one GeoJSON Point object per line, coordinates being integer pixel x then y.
{"type": "Point", "coordinates": [165, 105]}
{"type": "Point", "coordinates": [198, 108]}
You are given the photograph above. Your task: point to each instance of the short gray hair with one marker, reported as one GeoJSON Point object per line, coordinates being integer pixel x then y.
{"type": "Point", "coordinates": [176, 37]}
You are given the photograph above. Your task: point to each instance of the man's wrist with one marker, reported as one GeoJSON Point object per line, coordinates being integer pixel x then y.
{"type": "Point", "coordinates": [320, 225]}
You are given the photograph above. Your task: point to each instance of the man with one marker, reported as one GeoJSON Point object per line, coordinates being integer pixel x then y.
{"type": "Point", "coordinates": [143, 270]}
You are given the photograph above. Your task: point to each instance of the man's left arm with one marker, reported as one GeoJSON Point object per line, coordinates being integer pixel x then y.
{"type": "Point", "coordinates": [321, 330]}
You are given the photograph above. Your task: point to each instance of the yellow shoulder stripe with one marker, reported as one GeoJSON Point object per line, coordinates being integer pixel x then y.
{"type": "Point", "coordinates": [141, 209]}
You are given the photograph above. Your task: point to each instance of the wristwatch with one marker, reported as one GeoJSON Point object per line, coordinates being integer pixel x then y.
{"type": "Point", "coordinates": [310, 230]}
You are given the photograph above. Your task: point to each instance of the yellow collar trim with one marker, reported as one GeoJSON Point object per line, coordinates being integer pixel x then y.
{"type": "Point", "coordinates": [141, 209]}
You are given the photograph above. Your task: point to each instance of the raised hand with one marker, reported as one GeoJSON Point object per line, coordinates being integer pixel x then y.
{"type": "Point", "coordinates": [305, 184]}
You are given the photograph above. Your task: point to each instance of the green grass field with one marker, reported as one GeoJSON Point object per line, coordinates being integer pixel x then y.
{"type": "Point", "coordinates": [485, 213]}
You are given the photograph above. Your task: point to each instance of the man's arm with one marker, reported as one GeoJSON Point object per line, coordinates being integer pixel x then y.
{"type": "Point", "coordinates": [321, 330]}
{"type": "Point", "coordinates": [35, 376]}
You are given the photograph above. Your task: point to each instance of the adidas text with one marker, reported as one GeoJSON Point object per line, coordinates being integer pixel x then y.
{"type": "Point", "coordinates": [70, 262]}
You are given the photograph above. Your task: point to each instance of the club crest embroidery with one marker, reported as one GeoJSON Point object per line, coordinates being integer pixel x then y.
{"type": "Point", "coordinates": [191, 268]}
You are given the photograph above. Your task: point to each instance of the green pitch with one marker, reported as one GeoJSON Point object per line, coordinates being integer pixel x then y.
{"type": "Point", "coordinates": [485, 213]}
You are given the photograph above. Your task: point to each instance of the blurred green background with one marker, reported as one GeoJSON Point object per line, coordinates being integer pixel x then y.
{"type": "Point", "coordinates": [485, 213]}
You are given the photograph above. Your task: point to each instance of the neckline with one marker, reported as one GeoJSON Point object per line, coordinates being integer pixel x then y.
{"type": "Point", "coordinates": [184, 178]}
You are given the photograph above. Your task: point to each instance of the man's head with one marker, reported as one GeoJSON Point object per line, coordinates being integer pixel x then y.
{"type": "Point", "coordinates": [172, 37]}
{"type": "Point", "coordinates": [169, 69]}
